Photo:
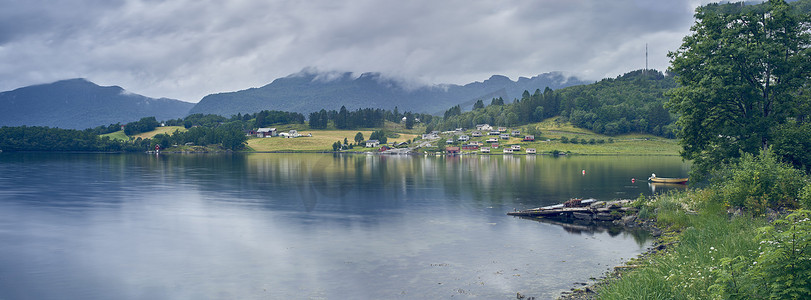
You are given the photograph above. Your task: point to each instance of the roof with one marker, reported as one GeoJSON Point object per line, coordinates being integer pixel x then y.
{"type": "Point", "coordinates": [265, 129]}
{"type": "Point", "coordinates": [373, 141]}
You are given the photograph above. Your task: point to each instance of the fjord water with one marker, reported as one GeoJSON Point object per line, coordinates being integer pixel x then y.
{"type": "Point", "coordinates": [305, 226]}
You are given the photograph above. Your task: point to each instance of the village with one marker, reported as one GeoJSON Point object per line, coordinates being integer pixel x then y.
{"type": "Point", "coordinates": [484, 139]}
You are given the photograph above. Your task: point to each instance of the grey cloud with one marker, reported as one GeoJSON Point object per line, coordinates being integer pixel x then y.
{"type": "Point", "coordinates": [189, 48]}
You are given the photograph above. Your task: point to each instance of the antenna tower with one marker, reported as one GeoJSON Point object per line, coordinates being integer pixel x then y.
{"type": "Point", "coordinates": [646, 59]}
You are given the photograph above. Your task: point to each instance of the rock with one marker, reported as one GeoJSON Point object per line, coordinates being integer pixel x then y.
{"type": "Point", "coordinates": [605, 217]}
{"type": "Point", "coordinates": [583, 216]}
{"type": "Point", "coordinates": [628, 220]}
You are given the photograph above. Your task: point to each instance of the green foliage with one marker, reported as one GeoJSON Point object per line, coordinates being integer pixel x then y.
{"type": "Point", "coordinates": [739, 73]}
{"type": "Point", "coordinates": [781, 270]}
{"type": "Point", "coordinates": [792, 142]}
{"type": "Point", "coordinates": [54, 139]}
{"type": "Point", "coordinates": [409, 123]}
{"type": "Point", "coordinates": [202, 120]}
{"type": "Point", "coordinates": [478, 105]}
{"type": "Point", "coordinates": [359, 137]}
{"type": "Point", "coordinates": [379, 135]}
{"type": "Point", "coordinates": [144, 125]}
{"type": "Point", "coordinates": [632, 102]}
{"type": "Point", "coordinates": [805, 196]}
{"type": "Point", "coordinates": [759, 182]}
{"type": "Point", "coordinates": [690, 267]}
{"type": "Point", "coordinates": [784, 264]}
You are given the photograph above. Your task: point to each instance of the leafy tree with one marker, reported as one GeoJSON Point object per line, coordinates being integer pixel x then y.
{"type": "Point", "coordinates": [379, 135]}
{"type": "Point", "coordinates": [792, 141]}
{"type": "Point", "coordinates": [359, 137]}
{"type": "Point", "coordinates": [144, 125]}
{"type": "Point", "coordinates": [739, 73]}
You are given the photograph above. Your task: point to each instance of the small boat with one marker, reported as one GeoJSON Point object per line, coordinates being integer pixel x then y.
{"type": "Point", "coordinates": [668, 180]}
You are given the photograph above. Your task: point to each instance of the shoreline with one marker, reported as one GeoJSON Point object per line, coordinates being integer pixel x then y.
{"type": "Point", "coordinates": [629, 220]}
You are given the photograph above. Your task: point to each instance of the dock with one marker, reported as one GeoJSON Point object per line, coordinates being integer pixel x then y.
{"type": "Point", "coordinates": [576, 209]}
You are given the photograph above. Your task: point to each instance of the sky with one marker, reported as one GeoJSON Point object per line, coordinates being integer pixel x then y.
{"type": "Point", "coordinates": [186, 49]}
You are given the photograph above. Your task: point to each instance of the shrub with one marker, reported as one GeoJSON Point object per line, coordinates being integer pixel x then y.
{"type": "Point", "coordinates": [805, 196]}
{"type": "Point", "coordinates": [759, 182]}
{"type": "Point", "coordinates": [781, 270]}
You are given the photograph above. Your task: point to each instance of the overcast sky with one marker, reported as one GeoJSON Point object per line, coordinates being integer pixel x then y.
{"type": "Point", "coordinates": [186, 49]}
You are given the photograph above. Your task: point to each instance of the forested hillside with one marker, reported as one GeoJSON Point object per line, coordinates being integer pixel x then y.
{"type": "Point", "coordinates": [633, 102]}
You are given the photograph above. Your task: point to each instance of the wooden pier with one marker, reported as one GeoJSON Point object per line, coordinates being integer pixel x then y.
{"type": "Point", "coordinates": [586, 210]}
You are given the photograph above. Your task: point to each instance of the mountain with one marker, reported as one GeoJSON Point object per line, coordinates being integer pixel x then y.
{"type": "Point", "coordinates": [81, 104]}
{"type": "Point", "coordinates": [309, 91]}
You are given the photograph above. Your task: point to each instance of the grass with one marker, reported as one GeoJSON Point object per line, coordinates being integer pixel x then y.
{"type": "Point", "coordinates": [159, 130]}
{"type": "Point", "coordinates": [321, 140]}
{"type": "Point", "coordinates": [119, 135]}
{"type": "Point", "coordinates": [690, 268]}
{"type": "Point", "coordinates": [553, 130]}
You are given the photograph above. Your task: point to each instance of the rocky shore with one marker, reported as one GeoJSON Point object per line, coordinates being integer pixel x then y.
{"type": "Point", "coordinates": [582, 214]}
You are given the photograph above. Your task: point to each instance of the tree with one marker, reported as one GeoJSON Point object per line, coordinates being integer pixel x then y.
{"type": "Point", "coordinates": [359, 137]}
{"type": "Point", "coordinates": [409, 123]}
{"type": "Point", "coordinates": [478, 105]}
{"type": "Point", "coordinates": [740, 73]}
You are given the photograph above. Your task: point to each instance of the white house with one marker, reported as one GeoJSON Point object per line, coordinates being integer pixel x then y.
{"type": "Point", "coordinates": [463, 138]}
{"type": "Point", "coordinates": [484, 127]}
{"type": "Point", "coordinates": [476, 134]}
{"type": "Point", "coordinates": [508, 151]}
{"type": "Point", "coordinates": [530, 150]}
{"type": "Point", "coordinates": [485, 150]}
{"type": "Point", "coordinates": [505, 136]}
{"type": "Point", "coordinates": [266, 132]}
{"type": "Point", "coordinates": [516, 133]}
{"type": "Point", "coordinates": [515, 147]}
{"type": "Point", "coordinates": [372, 143]}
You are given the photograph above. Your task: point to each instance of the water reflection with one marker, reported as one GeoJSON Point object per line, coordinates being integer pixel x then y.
{"type": "Point", "coordinates": [642, 237]}
{"type": "Point", "coordinates": [130, 226]}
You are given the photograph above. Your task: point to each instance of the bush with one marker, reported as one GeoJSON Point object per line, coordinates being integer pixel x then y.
{"type": "Point", "coordinates": [759, 182]}
{"type": "Point", "coordinates": [781, 270]}
{"type": "Point", "coordinates": [805, 196]}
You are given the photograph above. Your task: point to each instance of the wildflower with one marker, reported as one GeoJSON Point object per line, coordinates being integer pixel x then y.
{"type": "Point", "coordinates": [754, 262]}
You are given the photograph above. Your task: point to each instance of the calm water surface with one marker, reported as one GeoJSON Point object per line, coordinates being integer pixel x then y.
{"type": "Point", "coordinates": [305, 226]}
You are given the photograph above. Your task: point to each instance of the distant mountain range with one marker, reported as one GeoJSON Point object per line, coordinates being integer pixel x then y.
{"type": "Point", "coordinates": [307, 92]}
{"type": "Point", "coordinates": [81, 104]}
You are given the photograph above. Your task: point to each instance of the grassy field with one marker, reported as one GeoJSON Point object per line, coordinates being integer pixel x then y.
{"type": "Point", "coordinates": [553, 130]}
{"type": "Point", "coordinates": [321, 140]}
{"type": "Point", "coordinates": [119, 135]}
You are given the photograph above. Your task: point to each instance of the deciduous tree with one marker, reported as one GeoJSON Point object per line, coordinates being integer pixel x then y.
{"type": "Point", "coordinates": [740, 72]}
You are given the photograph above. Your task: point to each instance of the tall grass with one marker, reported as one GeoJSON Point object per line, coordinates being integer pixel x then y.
{"type": "Point", "coordinates": [688, 269]}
